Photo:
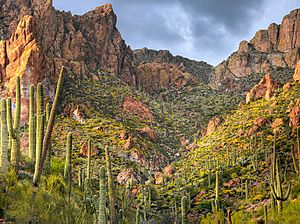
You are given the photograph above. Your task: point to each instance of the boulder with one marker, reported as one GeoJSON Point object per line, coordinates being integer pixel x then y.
{"type": "Point", "coordinates": [264, 89]}
{"type": "Point", "coordinates": [84, 150]}
{"type": "Point", "coordinates": [212, 125]}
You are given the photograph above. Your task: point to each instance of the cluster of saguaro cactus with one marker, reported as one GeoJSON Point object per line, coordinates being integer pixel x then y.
{"type": "Point", "coordinates": [276, 181]}
{"type": "Point", "coordinates": [111, 194]}
{"type": "Point", "coordinates": [14, 127]}
{"type": "Point", "coordinates": [43, 139]}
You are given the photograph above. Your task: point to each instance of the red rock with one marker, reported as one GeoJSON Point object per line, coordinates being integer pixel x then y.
{"type": "Point", "coordinates": [137, 108]}
{"type": "Point", "coordinates": [296, 76]}
{"type": "Point", "coordinates": [128, 143]}
{"type": "Point", "coordinates": [264, 89]}
{"type": "Point", "coordinates": [125, 176]}
{"type": "Point", "coordinates": [149, 132]}
{"type": "Point", "coordinates": [212, 125]}
{"type": "Point", "coordinates": [155, 76]}
{"type": "Point", "coordinates": [168, 170]}
{"type": "Point", "coordinates": [278, 122]}
{"type": "Point", "coordinates": [123, 135]}
{"type": "Point", "coordinates": [294, 115]}
{"type": "Point", "coordinates": [84, 150]}
{"type": "Point", "coordinates": [260, 121]}
{"type": "Point", "coordinates": [158, 178]}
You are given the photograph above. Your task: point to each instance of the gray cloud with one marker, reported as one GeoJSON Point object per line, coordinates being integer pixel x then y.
{"type": "Point", "coordinates": [198, 29]}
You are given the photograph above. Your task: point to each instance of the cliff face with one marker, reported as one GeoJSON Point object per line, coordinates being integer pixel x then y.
{"type": "Point", "coordinates": [36, 40]}
{"type": "Point", "coordinates": [278, 46]}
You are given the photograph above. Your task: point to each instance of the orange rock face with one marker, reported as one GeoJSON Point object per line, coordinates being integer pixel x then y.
{"type": "Point", "coordinates": [37, 40]}
{"type": "Point", "coordinates": [278, 46]}
{"type": "Point", "coordinates": [264, 89]}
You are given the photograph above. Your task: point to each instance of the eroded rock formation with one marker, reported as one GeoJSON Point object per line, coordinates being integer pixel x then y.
{"type": "Point", "coordinates": [278, 46]}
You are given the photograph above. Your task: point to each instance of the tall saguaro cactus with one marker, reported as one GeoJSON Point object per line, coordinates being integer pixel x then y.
{"type": "Point", "coordinates": [296, 168]}
{"type": "Point", "coordinates": [40, 129]}
{"type": "Point", "coordinates": [4, 139]}
{"type": "Point", "coordinates": [49, 128]}
{"type": "Point", "coordinates": [48, 158]}
{"type": "Point", "coordinates": [217, 203]}
{"type": "Point", "coordinates": [88, 168]}
{"type": "Point", "coordinates": [102, 201]}
{"type": "Point", "coordinates": [183, 210]}
{"type": "Point", "coordinates": [14, 127]}
{"type": "Point", "coordinates": [32, 145]}
{"type": "Point", "coordinates": [113, 213]}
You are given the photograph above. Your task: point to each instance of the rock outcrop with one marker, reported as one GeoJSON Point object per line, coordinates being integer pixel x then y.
{"type": "Point", "coordinates": [296, 76]}
{"type": "Point", "coordinates": [36, 40]}
{"type": "Point", "coordinates": [198, 69]}
{"type": "Point", "coordinates": [278, 46]}
{"type": "Point", "coordinates": [212, 125]}
{"type": "Point", "coordinates": [264, 89]}
{"type": "Point", "coordinates": [155, 77]}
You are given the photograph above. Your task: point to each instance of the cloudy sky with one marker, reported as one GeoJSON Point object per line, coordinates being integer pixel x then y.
{"type": "Point", "coordinates": [208, 30]}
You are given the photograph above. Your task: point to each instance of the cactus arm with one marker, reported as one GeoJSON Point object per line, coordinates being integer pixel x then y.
{"type": "Point", "coordinates": [294, 160]}
{"type": "Point", "coordinates": [287, 194]}
{"type": "Point", "coordinates": [11, 131]}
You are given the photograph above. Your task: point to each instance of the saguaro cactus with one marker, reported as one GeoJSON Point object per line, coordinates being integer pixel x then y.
{"type": "Point", "coordinates": [32, 145]}
{"type": "Point", "coordinates": [40, 128]}
{"type": "Point", "coordinates": [111, 193]}
{"type": "Point", "coordinates": [296, 168]}
{"type": "Point", "coordinates": [14, 130]}
{"type": "Point", "coordinates": [265, 214]}
{"type": "Point", "coordinates": [4, 139]}
{"type": "Point", "coordinates": [68, 163]}
{"type": "Point", "coordinates": [217, 203]}
{"type": "Point", "coordinates": [88, 167]}
{"type": "Point", "coordinates": [102, 200]}
{"type": "Point", "coordinates": [48, 158]}
{"type": "Point", "coordinates": [137, 216]}
{"type": "Point", "coordinates": [278, 191]}
{"type": "Point", "coordinates": [183, 210]}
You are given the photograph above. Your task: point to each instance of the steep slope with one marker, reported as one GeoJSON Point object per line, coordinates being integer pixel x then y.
{"type": "Point", "coordinates": [241, 150]}
{"type": "Point", "coordinates": [276, 47]}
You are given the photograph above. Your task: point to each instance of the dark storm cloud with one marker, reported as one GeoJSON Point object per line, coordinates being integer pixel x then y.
{"type": "Point", "coordinates": [200, 29]}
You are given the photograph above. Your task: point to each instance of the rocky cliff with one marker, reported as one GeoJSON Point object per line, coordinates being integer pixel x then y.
{"type": "Point", "coordinates": [36, 40]}
{"type": "Point", "coordinates": [276, 47]}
